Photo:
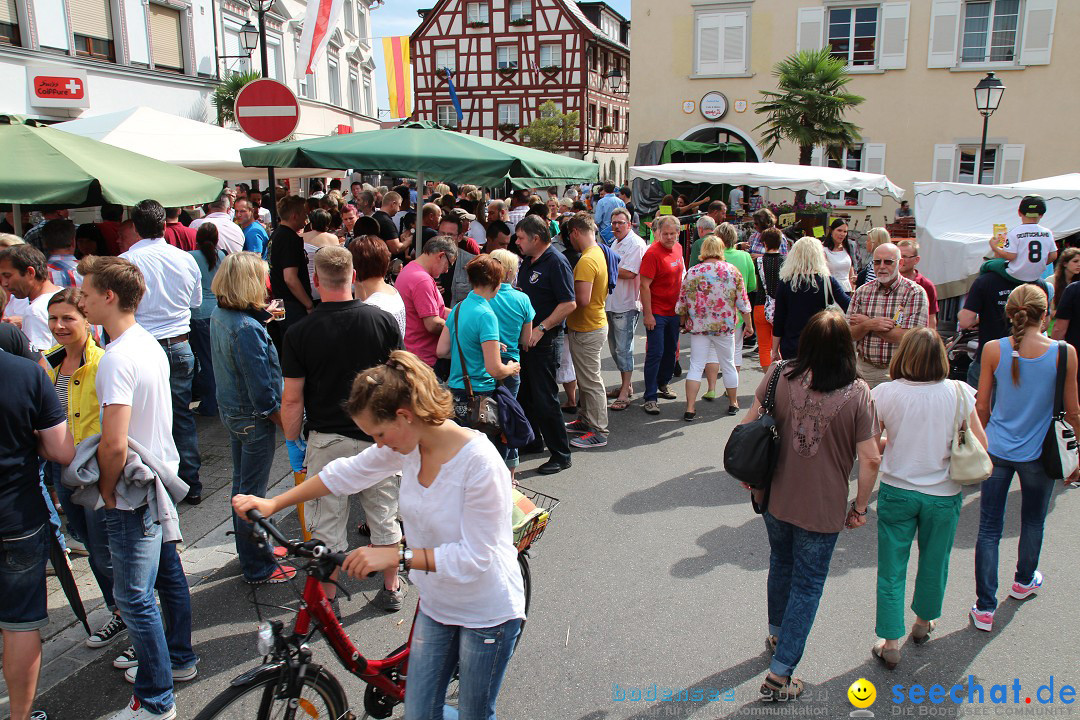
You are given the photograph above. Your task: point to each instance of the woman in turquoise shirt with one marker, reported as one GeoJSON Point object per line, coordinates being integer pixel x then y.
{"type": "Point", "coordinates": [208, 257]}
{"type": "Point", "coordinates": [472, 332]}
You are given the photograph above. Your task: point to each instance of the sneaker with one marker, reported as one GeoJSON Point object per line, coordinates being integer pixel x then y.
{"type": "Point", "coordinates": [651, 407]}
{"type": "Point", "coordinates": [38, 715]}
{"type": "Point", "coordinates": [107, 633]}
{"type": "Point", "coordinates": [282, 573]}
{"type": "Point", "coordinates": [390, 600]}
{"type": "Point", "coordinates": [589, 440]}
{"type": "Point", "coordinates": [663, 392]}
{"type": "Point", "coordinates": [126, 659]}
{"type": "Point", "coordinates": [280, 552]}
{"type": "Point", "coordinates": [578, 426]}
{"type": "Point", "coordinates": [135, 711]}
{"type": "Point", "coordinates": [710, 396]}
{"type": "Point", "coordinates": [185, 675]}
{"type": "Point", "coordinates": [1023, 592]}
{"type": "Point", "coordinates": [982, 619]}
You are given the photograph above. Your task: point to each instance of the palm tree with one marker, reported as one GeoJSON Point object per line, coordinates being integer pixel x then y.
{"type": "Point", "coordinates": [808, 106]}
{"type": "Point", "coordinates": [224, 97]}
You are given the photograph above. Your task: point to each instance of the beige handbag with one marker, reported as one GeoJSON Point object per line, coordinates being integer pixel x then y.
{"type": "Point", "coordinates": [970, 464]}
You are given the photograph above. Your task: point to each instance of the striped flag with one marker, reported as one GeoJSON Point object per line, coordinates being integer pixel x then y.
{"type": "Point", "coordinates": [319, 22]}
{"type": "Point", "coordinates": [398, 75]}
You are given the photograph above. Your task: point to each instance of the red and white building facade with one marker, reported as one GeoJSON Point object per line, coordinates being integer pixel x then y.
{"type": "Point", "coordinates": [509, 57]}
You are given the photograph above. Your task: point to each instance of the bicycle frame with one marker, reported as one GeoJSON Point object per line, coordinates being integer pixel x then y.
{"type": "Point", "coordinates": [317, 607]}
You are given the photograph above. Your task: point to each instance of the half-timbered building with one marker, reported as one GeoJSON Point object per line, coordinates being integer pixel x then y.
{"type": "Point", "coordinates": [506, 58]}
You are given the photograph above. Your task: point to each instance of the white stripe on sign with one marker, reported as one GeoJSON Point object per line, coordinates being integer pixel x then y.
{"type": "Point", "coordinates": [266, 110]}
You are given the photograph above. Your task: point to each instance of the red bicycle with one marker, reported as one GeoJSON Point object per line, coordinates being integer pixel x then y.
{"type": "Point", "coordinates": [288, 685]}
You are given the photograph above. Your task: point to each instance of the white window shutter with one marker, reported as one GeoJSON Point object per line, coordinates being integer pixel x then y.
{"type": "Point", "coordinates": [944, 163]}
{"type": "Point", "coordinates": [817, 159]}
{"type": "Point", "coordinates": [944, 33]}
{"type": "Point", "coordinates": [1038, 32]}
{"type": "Point", "coordinates": [873, 161]}
{"type": "Point", "coordinates": [734, 54]}
{"type": "Point", "coordinates": [1012, 164]}
{"type": "Point", "coordinates": [709, 41]}
{"type": "Point", "coordinates": [811, 30]}
{"type": "Point", "coordinates": [894, 35]}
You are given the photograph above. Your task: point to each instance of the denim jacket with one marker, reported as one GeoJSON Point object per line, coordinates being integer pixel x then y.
{"type": "Point", "coordinates": [246, 367]}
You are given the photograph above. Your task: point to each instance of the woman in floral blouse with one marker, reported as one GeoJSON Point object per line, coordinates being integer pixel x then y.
{"type": "Point", "coordinates": [713, 296]}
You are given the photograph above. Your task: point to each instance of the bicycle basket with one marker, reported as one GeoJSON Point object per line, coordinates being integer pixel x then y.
{"type": "Point", "coordinates": [532, 512]}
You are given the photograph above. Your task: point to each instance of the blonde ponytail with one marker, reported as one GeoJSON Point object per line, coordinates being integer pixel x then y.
{"type": "Point", "coordinates": [1025, 308]}
{"type": "Point", "coordinates": [405, 381]}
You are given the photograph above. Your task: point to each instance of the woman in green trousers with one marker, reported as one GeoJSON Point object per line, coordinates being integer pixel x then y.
{"type": "Point", "coordinates": [917, 501]}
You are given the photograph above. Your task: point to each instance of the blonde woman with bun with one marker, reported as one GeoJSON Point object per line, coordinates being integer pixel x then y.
{"type": "Point", "coordinates": [874, 239]}
{"type": "Point", "coordinates": [1021, 372]}
{"type": "Point", "coordinates": [456, 507]}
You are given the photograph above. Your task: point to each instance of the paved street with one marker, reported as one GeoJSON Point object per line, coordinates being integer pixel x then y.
{"type": "Point", "coordinates": [653, 572]}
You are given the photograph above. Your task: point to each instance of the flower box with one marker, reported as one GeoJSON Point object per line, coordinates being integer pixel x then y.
{"type": "Point", "coordinates": [508, 128]}
{"type": "Point", "coordinates": [521, 21]}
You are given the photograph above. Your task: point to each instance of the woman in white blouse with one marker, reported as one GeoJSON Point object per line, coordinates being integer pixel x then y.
{"type": "Point", "coordinates": [917, 501]}
{"type": "Point", "coordinates": [455, 503]}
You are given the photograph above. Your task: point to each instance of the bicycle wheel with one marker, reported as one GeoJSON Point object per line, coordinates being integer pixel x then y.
{"type": "Point", "coordinates": [526, 577]}
{"type": "Point", "coordinates": [320, 699]}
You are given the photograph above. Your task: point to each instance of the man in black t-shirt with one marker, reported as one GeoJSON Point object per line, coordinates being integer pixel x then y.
{"type": "Point", "coordinates": [320, 357]}
{"type": "Point", "coordinates": [1068, 310]}
{"type": "Point", "coordinates": [388, 230]}
{"type": "Point", "coordinates": [31, 421]}
{"type": "Point", "coordinates": [289, 279]}
{"type": "Point", "coordinates": [985, 306]}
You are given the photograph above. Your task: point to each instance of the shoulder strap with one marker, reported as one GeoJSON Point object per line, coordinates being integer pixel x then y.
{"type": "Point", "coordinates": [828, 291]}
{"type": "Point", "coordinates": [461, 355]}
{"type": "Point", "coordinates": [1062, 366]}
{"type": "Point", "coordinates": [961, 419]}
{"type": "Point", "coordinates": [770, 392]}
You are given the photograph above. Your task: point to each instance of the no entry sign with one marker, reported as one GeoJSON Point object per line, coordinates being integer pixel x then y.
{"type": "Point", "coordinates": [267, 110]}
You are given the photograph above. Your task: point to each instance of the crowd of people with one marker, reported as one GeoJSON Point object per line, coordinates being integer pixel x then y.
{"type": "Point", "coordinates": [368, 323]}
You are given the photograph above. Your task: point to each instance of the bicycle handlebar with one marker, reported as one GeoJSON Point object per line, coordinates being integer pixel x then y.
{"type": "Point", "coordinates": [311, 549]}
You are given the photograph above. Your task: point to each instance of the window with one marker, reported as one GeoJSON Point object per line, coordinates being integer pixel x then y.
{"type": "Point", "coordinates": [445, 58]}
{"type": "Point", "coordinates": [234, 48]}
{"type": "Point", "coordinates": [350, 16]}
{"type": "Point", "coordinates": [9, 23]}
{"type": "Point", "coordinates": [305, 86]}
{"type": "Point", "coordinates": [333, 77]}
{"type": "Point", "coordinates": [369, 98]}
{"type": "Point", "coordinates": [853, 34]}
{"type": "Point", "coordinates": [967, 160]}
{"type": "Point", "coordinates": [447, 116]}
{"type": "Point", "coordinates": [548, 112]}
{"type": "Point", "coordinates": [721, 43]}
{"type": "Point", "coordinates": [362, 30]}
{"type": "Point", "coordinates": [603, 117]}
{"type": "Point", "coordinates": [550, 55]}
{"type": "Point", "coordinates": [275, 60]}
{"type": "Point", "coordinates": [477, 12]}
{"type": "Point", "coordinates": [92, 26]}
{"type": "Point", "coordinates": [615, 120]}
{"type": "Point", "coordinates": [591, 117]}
{"type": "Point", "coordinates": [990, 31]}
{"type": "Point", "coordinates": [509, 115]}
{"type": "Point", "coordinates": [354, 91]}
{"type": "Point", "coordinates": [506, 57]}
{"type": "Point", "coordinates": [166, 47]}
{"type": "Point", "coordinates": [519, 10]}
{"type": "Point", "coordinates": [850, 159]}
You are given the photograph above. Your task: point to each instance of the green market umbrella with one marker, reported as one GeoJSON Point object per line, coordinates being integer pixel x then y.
{"type": "Point", "coordinates": [423, 148]}
{"type": "Point", "coordinates": [50, 167]}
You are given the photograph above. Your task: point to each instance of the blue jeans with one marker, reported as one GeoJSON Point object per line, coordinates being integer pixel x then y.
{"type": "Point", "coordinates": [481, 654]}
{"type": "Point", "coordinates": [661, 344]}
{"type": "Point", "coordinates": [798, 565]}
{"type": "Point", "coordinates": [23, 555]}
{"type": "Point", "coordinates": [204, 374]}
{"type": "Point", "coordinates": [621, 329]}
{"type": "Point", "coordinates": [185, 434]}
{"type": "Point", "coordinates": [513, 384]}
{"type": "Point", "coordinates": [88, 527]}
{"type": "Point", "coordinates": [1035, 491]}
{"type": "Point", "coordinates": [253, 441]}
{"type": "Point", "coordinates": [161, 640]}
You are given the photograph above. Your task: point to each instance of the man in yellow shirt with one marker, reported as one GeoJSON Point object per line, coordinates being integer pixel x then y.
{"type": "Point", "coordinates": [587, 328]}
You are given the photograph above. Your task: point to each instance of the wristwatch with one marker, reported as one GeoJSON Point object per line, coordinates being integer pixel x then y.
{"type": "Point", "coordinates": [405, 556]}
{"type": "Point", "coordinates": [541, 328]}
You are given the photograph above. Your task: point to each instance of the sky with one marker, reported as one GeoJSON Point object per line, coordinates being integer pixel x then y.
{"type": "Point", "coordinates": [398, 17]}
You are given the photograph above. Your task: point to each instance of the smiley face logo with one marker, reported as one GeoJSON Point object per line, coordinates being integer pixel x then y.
{"type": "Point", "coordinates": [862, 693]}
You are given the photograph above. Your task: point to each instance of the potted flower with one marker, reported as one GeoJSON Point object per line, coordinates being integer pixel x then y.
{"type": "Point", "coordinates": [507, 71]}
{"type": "Point", "coordinates": [479, 23]}
{"type": "Point", "coordinates": [508, 128]}
{"type": "Point", "coordinates": [550, 69]}
{"type": "Point", "coordinates": [521, 21]}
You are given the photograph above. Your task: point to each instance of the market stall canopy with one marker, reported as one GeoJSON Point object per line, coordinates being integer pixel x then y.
{"type": "Point", "coordinates": [955, 222]}
{"type": "Point", "coordinates": [195, 145]}
{"type": "Point", "coordinates": [52, 167]}
{"type": "Point", "coordinates": [421, 147]}
{"type": "Point", "coordinates": [814, 179]}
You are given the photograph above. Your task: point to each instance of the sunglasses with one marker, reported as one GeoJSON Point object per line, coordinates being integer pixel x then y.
{"type": "Point", "coordinates": [884, 261]}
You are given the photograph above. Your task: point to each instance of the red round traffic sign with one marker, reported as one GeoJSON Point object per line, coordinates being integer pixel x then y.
{"type": "Point", "coordinates": [267, 110]}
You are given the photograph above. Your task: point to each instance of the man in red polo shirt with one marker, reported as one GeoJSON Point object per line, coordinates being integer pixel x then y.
{"type": "Point", "coordinates": [909, 260]}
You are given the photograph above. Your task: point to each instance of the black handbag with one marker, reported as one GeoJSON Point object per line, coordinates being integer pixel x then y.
{"type": "Point", "coordinates": [483, 410]}
{"type": "Point", "coordinates": [753, 448]}
{"type": "Point", "coordinates": [1059, 455]}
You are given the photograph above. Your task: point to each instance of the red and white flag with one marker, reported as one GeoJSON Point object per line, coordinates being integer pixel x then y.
{"type": "Point", "coordinates": [319, 22]}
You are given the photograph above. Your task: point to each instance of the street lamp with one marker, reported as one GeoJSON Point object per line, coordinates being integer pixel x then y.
{"type": "Point", "coordinates": [615, 80]}
{"type": "Point", "coordinates": [249, 37]}
{"type": "Point", "coordinates": [987, 98]}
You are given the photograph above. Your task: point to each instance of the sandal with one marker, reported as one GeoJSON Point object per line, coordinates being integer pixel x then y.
{"type": "Point", "coordinates": [619, 405]}
{"type": "Point", "coordinates": [774, 691]}
{"type": "Point", "coordinates": [891, 658]}
{"type": "Point", "coordinates": [733, 410]}
{"type": "Point", "coordinates": [615, 393]}
{"type": "Point", "coordinates": [663, 392]}
{"type": "Point", "coordinates": [689, 416]}
{"type": "Point", "coordinates": [921, 633]}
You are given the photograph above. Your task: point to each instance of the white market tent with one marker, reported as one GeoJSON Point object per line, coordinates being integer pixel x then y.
{"type": "Point", "coordinates": [955, 222]}
{"type": "Point", "coordinates": [814, 179]}
{"type": "Point", "coordinates": [195, 145]}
